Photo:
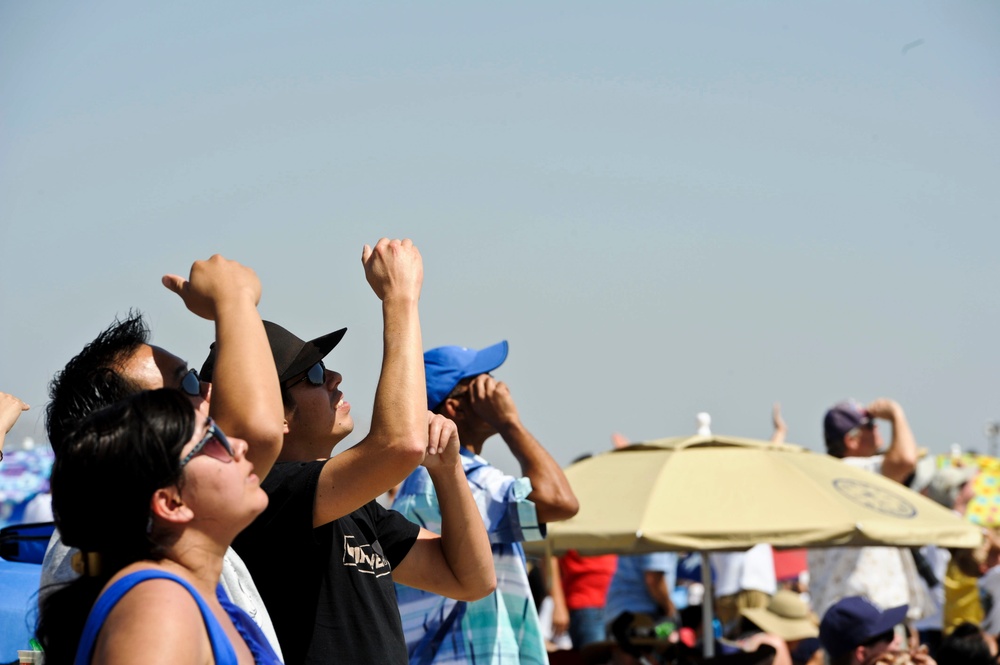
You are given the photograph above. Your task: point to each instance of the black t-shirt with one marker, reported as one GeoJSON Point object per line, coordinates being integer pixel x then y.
{"type": "Point", "coordinates": [328, 590]}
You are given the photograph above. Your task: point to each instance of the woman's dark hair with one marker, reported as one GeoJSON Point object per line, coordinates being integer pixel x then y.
{"type": "Point", "coordinates": [965, 646]}
{"type": "Point", "coordinates": [102, 483]}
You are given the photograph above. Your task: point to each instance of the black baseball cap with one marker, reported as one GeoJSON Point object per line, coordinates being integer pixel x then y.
{"type": "Point", "coordinates": [292, 356]}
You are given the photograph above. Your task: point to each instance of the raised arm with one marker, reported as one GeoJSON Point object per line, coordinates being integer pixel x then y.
{"type": "Point", "coordinates": [901, 456]}
{"type": "Point", "coordinates": [458, 563]}
{"type": "Point", "coordinates": [245, 397]}
{"type": "Point", "coordinates": [778, 423]}
{"type": "Point", "coordinates": [398, 437]}
{"type": "Point", "coordinates": [10, 410]}
{"type": "Point", "coordinates": [550, 491]}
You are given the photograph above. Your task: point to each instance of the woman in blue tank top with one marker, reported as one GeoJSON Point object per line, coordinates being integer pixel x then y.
{"type": "Point", "coordinates": [152, 493]}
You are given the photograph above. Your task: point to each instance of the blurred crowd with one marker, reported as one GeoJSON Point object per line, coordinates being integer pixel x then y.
{"type": "Point", "coordinates": [845, 605]}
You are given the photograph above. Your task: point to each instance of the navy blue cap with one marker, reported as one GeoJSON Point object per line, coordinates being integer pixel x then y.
{"type": "Point", "coordinates": [445, 366]}
{"type": "Point", "coordinates": [852, 621]}
{"type": "Point", "coordinates": [841, 419]}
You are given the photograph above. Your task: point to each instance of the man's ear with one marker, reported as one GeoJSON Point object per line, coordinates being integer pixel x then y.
{"type": "Point", "coordinates": [851, 442]}
{"type": "Point", "coordinates": [451, 408]}
{"type": "Point", "coordinates": [168, 506]}
{"type": "Point", "coordinates": [290, 410]}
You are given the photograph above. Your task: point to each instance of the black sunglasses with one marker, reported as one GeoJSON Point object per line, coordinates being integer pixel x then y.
{"type": "Point", "coordinates": [191, 383]}
{"type": "Point", "coordinates": [887, 636]}
{"type": "Point", "coordinates": [214, 444]}
{"type": "Point", "coordinates": [316, 376]}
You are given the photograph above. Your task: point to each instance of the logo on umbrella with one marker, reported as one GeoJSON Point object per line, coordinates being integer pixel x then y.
{"type": "Point", "coordinates": [875, 498]}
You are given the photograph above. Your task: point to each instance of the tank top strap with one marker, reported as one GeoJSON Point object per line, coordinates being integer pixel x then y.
{"type": "Point", "coordinates": [222, 649]}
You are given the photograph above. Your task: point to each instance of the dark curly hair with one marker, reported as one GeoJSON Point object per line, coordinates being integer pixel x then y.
{"type": "Point", "coordinates": [93, 380]}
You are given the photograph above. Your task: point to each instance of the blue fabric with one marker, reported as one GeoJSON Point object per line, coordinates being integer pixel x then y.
{"type": "Point", "coordinates": [222, 650]}
{"type": "Point", "coordinates": [586, 625]}
{"type": "Point", "coordinates": [18, 606]}
{"type": "Point", "coordinates": [256, 640]}
{"type": "Point", "coordinates": [502, 628]}
{"type": "Point", "coordinates": [628, 593]}
{"type": "Point", "coordinates": [26, 543]}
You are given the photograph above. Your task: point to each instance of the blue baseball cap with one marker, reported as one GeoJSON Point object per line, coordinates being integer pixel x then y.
{"type": "Point", "coordinates": [445, 366]}
{"type": "Point", "coordinates": [854, 620]}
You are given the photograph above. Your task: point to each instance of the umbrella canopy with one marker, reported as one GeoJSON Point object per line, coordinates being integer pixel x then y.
{"type": "Point", "coordinates": [725, 493]}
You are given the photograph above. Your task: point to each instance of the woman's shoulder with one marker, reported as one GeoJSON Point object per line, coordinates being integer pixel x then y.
{"type": "Point", "coordinates": [155, 614]}
{"type": "Point", "coordinates": [154, 589]}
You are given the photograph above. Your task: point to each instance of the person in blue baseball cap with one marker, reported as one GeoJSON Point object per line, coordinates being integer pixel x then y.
{"type": "Point", "coordinates": [856, 631]}
{"type": "Point", "coordinates": [504, 626]}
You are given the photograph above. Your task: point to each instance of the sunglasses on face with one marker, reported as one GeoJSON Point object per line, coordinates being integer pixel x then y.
{"type": "Point", "coordinates": [191, 383]}
{"type": "Point", "coordinates": [214, 444]}
{"type": "Point", "coordinates": [887, 636]}
{"type": "Point", "coordinates": [316, 376]}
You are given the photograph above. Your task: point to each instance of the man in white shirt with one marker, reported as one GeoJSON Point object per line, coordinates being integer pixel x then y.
{"type": "Point", "coordinates": [886, 575]}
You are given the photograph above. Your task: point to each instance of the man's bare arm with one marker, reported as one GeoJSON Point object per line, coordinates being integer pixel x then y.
{"type": "Point", "coordinates": [901, 457]}
{"type": "Point", "coordinates": [458, 563]}
{"type": "Point", "coordinates": [397, 440]}
{"type": "Point", "coordinates": [550, 491]}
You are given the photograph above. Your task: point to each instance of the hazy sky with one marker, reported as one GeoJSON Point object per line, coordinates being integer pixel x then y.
{"type": "Point", "coordinates": [665, 207]}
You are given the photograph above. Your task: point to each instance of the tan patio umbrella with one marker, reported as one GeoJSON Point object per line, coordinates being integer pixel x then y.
{"type": "Point", "coordinates": [711, 493]}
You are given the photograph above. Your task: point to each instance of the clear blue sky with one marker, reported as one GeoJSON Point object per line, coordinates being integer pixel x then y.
{"type": "Point", "coordinates": [664, 207]}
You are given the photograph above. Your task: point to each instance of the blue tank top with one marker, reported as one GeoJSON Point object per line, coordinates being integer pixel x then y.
{"type": "Point", "coordinates": [222, 650]}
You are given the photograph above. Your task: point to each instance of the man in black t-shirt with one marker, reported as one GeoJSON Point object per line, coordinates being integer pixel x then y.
{"type": "Point", "coordinates": [325, 554]}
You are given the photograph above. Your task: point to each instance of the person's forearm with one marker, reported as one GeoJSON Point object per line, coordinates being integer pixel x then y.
{"type": "Point", "coordinates": [399, 416]}
{"type": "Point", "coordinates": [550, 491]}
{"type": "Point", "coordinates": [656, 586]}
{"type": "Point", "coordinates": [560, 611]}
{"type": "Point", "coordinates": [464, 541]}
{"type": "Point", "coordinates": [246, 399]}
{"type": "Point", "coordinates": [901, 457]}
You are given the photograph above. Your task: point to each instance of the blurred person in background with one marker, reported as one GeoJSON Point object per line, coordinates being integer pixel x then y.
{"type": "Point", "coordinates": [10, 410]}
{"type": "Point", "coordinates": [887, 575]}
{"type": "Point", "coordinates": [968, 644]}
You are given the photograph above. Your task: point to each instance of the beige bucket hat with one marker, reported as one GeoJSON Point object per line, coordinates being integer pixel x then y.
{"type": "Point", "coordinates": [786, 616]}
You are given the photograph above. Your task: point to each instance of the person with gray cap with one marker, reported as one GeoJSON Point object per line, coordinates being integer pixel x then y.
{"type": "Point", "coordinates": [502, 628]}
{"type": "Point", "coordinates": [887, 575]}
{"type": "Point", "coordinates": [324, 553]}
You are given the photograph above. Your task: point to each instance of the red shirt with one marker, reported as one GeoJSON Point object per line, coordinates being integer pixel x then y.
{"type": "Point", "coordinates": [585, 579]}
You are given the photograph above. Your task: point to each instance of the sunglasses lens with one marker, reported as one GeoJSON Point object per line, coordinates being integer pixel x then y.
{"type": "Point", "coordinates": [216, 450]}
{"type": "Point", "coordinates": [191, 384]}
{"type": "Point", "coordinates": [317, 374]}
{"type": "Point", "coordinates": [218, 447]}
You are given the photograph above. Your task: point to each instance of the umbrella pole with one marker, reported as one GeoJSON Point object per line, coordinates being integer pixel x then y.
{"type": "Point", "coordinates": [707, 601]}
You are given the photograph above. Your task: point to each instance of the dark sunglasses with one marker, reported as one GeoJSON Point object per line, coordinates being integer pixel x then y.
{"type": "Point", "coordinates": [887, 636]}
{"type": "Point", "coordinates": [871, 424]}
{"type": "Point", "coordinates": [214, 444]}
{"type": "Point", "coordinates": [191, 383]}
{"type": "Point", "coordinates": [316, 376]}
